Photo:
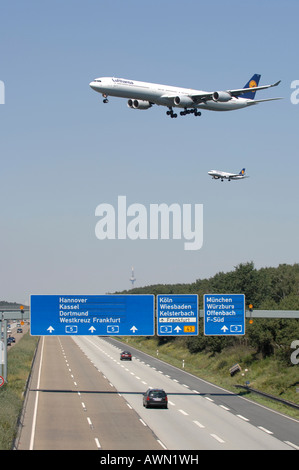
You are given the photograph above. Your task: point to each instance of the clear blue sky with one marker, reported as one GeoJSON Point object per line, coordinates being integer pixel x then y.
{"type": "Point", "coordinates": [63, 152]}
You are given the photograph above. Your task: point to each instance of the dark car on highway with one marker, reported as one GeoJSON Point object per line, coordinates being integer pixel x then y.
{"type": "Point", "coordinates": [155, 397]}
{"type": "Point", "coordinates": [126, 355]}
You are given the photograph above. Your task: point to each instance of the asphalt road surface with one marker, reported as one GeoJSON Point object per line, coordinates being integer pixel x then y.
{"type": "Point", "coordinates": [72, 406]}
{"type": "Point", "coordinates": [82, 396]}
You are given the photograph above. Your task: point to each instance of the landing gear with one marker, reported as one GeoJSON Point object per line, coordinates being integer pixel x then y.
{"type": "Point", "coordinates": [190, 111]}
{"type": "Point", "coordinates": [183, 113]}
{"type": "Point", "coordinates": [105, 100]}
{"type": "Point", "coordinates": [171, 113]}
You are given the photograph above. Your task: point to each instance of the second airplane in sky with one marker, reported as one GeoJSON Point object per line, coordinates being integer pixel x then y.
{"type": "Point", "coordinates": [143, 95]}
{"type": "Point", "coordinates": [223, 175]}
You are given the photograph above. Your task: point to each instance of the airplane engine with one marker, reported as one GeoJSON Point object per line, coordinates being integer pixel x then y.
{"type": "Point", "coordinates": [139, 104]}
{"type": "Point", "coordinates": [222, 96]}
{"type": "Point", "coordinates": [183, 101]}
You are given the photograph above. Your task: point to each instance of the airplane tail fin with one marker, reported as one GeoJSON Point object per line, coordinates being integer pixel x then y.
{"type": "Point", "coordinates": [253, 82]}
{"type": "Point", "coordinates": [242, 172]}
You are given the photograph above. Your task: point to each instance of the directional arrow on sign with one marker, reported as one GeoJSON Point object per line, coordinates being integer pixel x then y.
{"type": "Point", "coordinates": [92, 329]}
{"type": "Point", "coordinates": [224, 328]}
{"type": "Point", "coordinates": [177, 329]}
{"type": "Point", "coordinates": [134, 329]}
{"type": "Point", "coordinates": [51, 329]}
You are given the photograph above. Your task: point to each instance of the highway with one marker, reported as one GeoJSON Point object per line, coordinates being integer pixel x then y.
{"type": "Point", "coordinates": [72, 406]}
{"type": "Point", "coordinates": [83, 397]}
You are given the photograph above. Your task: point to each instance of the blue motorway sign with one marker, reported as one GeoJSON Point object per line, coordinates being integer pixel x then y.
{"type": "Point", "coordinates": [177, 315]}
{"type": "Point", "coordinates": [104, 315]}
{"type": "Point", "coordinates": [224, 314]}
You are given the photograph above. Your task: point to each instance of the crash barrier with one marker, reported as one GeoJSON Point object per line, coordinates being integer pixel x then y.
{"type": "Point", "coordinates": [267, 395]}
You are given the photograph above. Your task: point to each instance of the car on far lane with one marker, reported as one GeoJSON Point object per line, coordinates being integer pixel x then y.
{"type": "Point", "coordinates": [155, 397]}
{"type": "Point", "coordinates": [126, 355]}
{"type": "Point", "coordinates": [19, 330]}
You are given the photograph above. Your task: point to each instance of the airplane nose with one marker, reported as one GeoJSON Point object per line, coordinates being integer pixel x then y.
{"type": "Point", "coordinates": [94, 84]}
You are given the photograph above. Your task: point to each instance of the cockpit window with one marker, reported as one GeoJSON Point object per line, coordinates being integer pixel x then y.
{"type": "Point", "coordinates": [97, 80]}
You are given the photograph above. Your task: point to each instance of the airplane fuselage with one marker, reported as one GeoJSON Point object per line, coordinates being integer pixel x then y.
{"type": "Point", "coordinates": [216, 174]}
{"type": "Point", "coordinates": [162, 95]}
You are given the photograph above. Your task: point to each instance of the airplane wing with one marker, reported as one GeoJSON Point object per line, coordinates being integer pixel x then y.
{"type": "Point", "coordinates": [196, 98]}
{"type": "Point", "coordinates": [238, 176]}
{"type": "Point", "coordinates": [267, 99]}
{"type": "Point", "coordinates": [206, 96]}
{"type": "Point", "coordinates": [245, 90]}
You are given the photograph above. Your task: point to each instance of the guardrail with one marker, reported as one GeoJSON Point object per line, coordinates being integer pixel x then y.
{"type": "Point", "coordinates": [267, 395]}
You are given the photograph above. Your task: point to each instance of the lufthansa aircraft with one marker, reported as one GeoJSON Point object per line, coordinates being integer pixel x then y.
{"type": "Point", "coordinates": [228, 176]}
{"type": "Point", "coordinates": [142, 95]}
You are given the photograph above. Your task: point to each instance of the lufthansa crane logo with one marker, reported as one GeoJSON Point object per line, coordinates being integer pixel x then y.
{"type": "Point", "coordinates": [252, 84]}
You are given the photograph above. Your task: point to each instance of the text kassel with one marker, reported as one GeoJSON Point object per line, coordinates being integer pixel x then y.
{"type": "Point", "coordinates": [158, 221]}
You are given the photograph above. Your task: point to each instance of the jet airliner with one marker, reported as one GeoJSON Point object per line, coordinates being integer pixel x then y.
{"type": "Point", "coordinates": [143, 95]}
{"type": "Point", "coordinates": [228, 176]}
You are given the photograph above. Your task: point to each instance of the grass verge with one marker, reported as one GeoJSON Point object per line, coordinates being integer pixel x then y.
{"type": "Point", "coordinates": [12, 393]}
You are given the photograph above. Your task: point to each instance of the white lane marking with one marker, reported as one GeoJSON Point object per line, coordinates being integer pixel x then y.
{"type": "Point", "coordinates": [183, 412]}
{"type": "Point", "coordinates": [265, 430]}
{"type": "Point", "coordinates": [198, 424]}
{"type": "Point", "coordinates": [208, 398]}
{"type": "Point", "coordinates": [217, 438]}
{"type": "Point", "coordinates": [36, 399]}
{"type": "Point", "coordinates": [97, 442]}
{"type": "Point", "coordinates": [161, 444]}
{"type": "Point", "coordinates": [90, 423]}
{"type": "Point", "coordinates": [291, 444]}
{"type": "Point", "coordinates": [243, 417]}
{"type": "Point", "coordinates": [224, 407]}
